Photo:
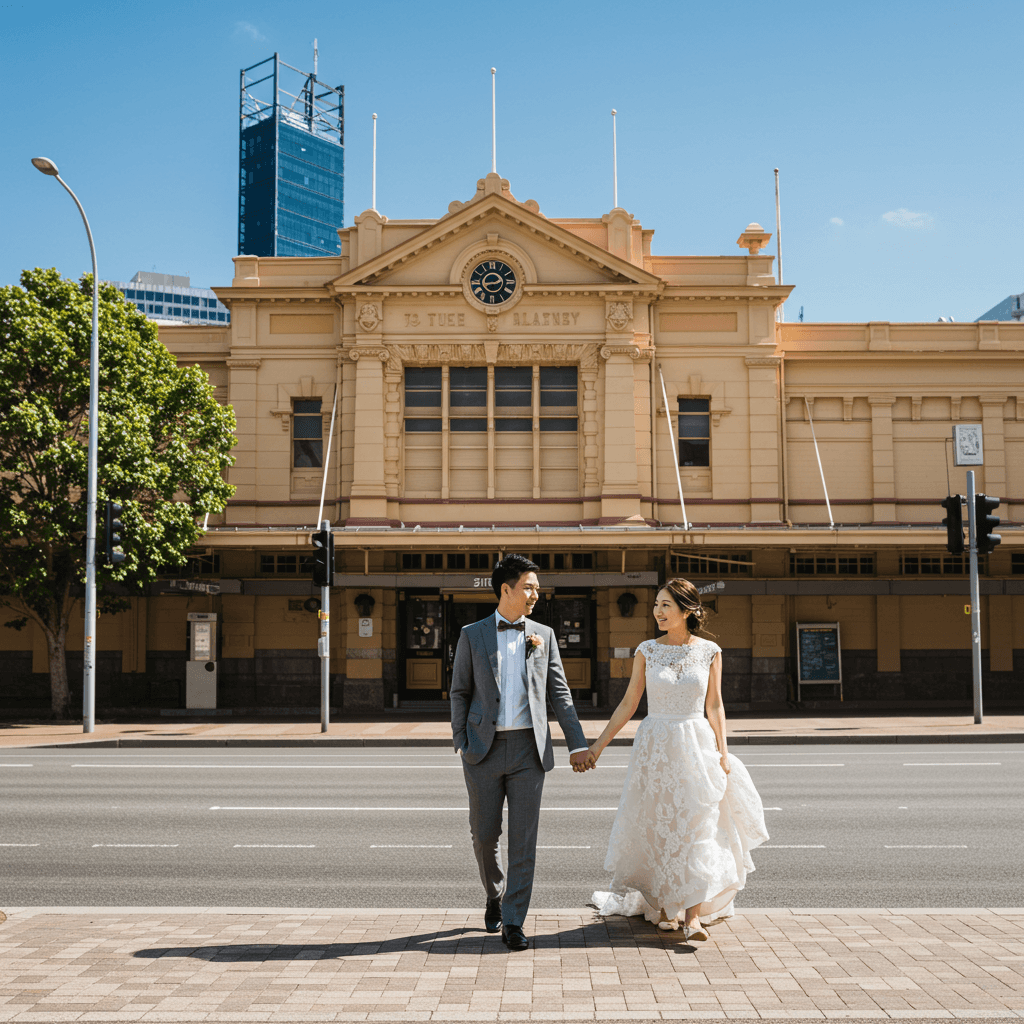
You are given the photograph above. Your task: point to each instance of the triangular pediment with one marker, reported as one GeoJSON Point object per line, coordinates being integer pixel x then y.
{"type": "Point", "coordinates": [558, 257]}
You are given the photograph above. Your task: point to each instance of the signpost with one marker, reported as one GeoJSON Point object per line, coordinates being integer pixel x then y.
{"type": "Point", "coordinates": [972, 533]}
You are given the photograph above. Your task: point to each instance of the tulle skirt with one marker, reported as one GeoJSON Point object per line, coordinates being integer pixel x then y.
{"type": "Point", "coordinates": [684, 829]}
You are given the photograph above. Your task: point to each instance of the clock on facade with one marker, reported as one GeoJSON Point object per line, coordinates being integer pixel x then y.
{"type": "Point", "coordinates": [492, 282]}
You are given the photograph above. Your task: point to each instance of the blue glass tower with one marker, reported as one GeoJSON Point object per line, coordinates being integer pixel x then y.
{"type": "Point", "coordinates": [291, 162]}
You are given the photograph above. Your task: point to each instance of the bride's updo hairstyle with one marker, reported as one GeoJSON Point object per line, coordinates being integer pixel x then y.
{"type": "Point", "coordinates": [685, 595]}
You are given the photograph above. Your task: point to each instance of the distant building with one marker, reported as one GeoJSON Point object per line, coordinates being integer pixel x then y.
{"type": "Point", "coordinates": [291, 162]}
{"type": "Point", "coordinates": [1008, 309]}
{"type": "Point", "coordinates": [168, 298]}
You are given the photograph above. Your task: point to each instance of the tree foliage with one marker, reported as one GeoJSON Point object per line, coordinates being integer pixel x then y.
{"type": "Point", "coordinates": [164, 443]}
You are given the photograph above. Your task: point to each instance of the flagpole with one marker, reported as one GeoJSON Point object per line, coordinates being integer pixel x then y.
{"type": "Point", "coordinates": [615, 165]}
{"type": "Point", "coordinates": [494, 129]}
{"type": "Point", "coordinates": [373, 201]}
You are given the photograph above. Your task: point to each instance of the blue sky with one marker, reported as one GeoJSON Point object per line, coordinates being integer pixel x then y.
{"type": "Point", "coordinates": [895, 126]}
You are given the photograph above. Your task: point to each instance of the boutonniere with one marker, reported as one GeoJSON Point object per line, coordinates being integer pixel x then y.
{"type": "Point", "coordinates": [533, 643]}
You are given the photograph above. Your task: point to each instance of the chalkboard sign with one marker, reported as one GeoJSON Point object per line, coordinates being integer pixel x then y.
{"type": "Point", "coordinates": [818, 654]}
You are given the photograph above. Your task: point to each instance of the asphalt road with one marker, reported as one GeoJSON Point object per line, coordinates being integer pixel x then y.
{"type": "Point", "coordinates": [851, 826]}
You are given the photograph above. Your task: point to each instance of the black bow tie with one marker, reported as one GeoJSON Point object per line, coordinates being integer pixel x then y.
{"type": "Point", "coordinates": [503, 625]}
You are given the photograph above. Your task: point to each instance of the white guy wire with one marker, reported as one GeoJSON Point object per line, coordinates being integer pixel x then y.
{"type": "Point", "coordinates": [675, 449]}
{"type": "Point", "coordinates": [327, 460]}
{"type": "Point", "coordinates": [807, 406]}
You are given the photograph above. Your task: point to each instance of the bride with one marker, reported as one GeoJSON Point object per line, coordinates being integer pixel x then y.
{"type": "Point", "coordinates": [689, 813]}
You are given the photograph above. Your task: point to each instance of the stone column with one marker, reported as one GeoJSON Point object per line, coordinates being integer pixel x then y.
{"type": "Point", "coordinates": [368, 500]}
{"type": "Point", "coordinates": [887, 633]}
{"type": "Point", "coordinates": [769, 681]}
{"type": "Point", "coordinates": [242, 397]}
{"type": "Point", "coordinates": [882, 466]}
{"type": "Point", "coordinates": [995, 455]}
{"type": "Point", "coordinates": [620, 494]}
{"type": "Point", "coordinates": [765, 438]}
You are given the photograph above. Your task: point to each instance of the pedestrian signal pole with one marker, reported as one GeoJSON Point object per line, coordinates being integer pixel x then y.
{"type": "Point", "coordinates": [323, 575]}
{"type": "Point", "coordinates": [972, 534]}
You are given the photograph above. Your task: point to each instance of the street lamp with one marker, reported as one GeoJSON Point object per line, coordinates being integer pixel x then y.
{"type": "Point", "coordinates": [89, 669]}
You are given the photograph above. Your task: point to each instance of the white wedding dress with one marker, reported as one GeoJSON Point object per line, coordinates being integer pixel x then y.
{"type": "Point", "coordinates": [684, 829]}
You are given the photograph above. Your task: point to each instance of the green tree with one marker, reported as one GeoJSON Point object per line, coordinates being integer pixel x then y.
{"type": "Point", "coordinates": [164, 443]}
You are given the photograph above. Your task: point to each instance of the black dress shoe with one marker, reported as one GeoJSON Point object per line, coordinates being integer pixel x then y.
{"type": "Point", "coordinates": [492, 915]}
{"type": "Point", "coordinates": [513, 937]}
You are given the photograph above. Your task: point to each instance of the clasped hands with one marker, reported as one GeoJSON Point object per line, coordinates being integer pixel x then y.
{"type": "Point", "coordinates": [583, 760]}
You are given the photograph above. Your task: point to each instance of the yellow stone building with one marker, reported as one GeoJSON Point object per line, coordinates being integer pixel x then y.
{"type": "Point", "coordinates": [498, 380]}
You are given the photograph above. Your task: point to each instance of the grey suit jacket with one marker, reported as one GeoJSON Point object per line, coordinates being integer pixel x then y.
{"type": "Point", "coordinates": [475, 694]}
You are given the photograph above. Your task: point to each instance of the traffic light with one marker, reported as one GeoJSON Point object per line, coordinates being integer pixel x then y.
{"type": "Point", "coordinates": [323, 558]}
{"type": "Point", "coordinates": [985, 523]}
{"type": "Point", "coordinates": [954, 524]}
{"type": "Point", "coordinates": [114, 534]}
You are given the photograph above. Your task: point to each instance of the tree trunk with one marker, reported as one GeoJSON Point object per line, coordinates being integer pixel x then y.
{"type": "Point", "coordinates": [60, 694]}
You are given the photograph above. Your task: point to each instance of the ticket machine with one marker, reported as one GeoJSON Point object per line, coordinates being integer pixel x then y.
{"type": "Point", "coordinates": [201, 667]}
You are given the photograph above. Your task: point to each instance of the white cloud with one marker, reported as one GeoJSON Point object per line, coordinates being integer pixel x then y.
{"type": "Point", "coordinates": [904, 218]}
{"type": "Point", "coordinates": [250, 30]}
{"type": "Point", "coordinates": [838, 221]}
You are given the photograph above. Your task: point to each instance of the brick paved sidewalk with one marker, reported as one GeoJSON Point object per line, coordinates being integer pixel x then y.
{"type": "Point", "coordinates": [392, 730]}
{"type": "Point", "coordinates": [246, 964]}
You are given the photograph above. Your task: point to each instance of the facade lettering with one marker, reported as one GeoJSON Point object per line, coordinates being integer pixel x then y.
{"type": "Point", "coordinates": [560, 319]}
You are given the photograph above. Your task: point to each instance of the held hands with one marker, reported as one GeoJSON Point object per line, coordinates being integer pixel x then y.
{"type": "Point", "coordinates": [583, 760]}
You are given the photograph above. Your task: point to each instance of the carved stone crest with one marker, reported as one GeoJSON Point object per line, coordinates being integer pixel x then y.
{"type": "Point", "coordinates": [619, 315]}
{"type": "Point", "coordinates": [369, 316]}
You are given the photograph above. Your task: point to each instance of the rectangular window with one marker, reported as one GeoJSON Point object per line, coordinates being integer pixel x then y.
{"type": "Point", "coordinates": [158, 308]}
{"type": "Point", "coordinates": [433, 561]}
{"type": "Point", "coordinates": [531, 449]}
{"type": "Point", "coordinates": [543, 560]}
{"type": "Point", "coordinates": [809, 564]}
{"type": "Point", "coordinates": [576, 560]}
{"type": "Point", "coordinates": [457, 561]}
{"type": "Point", "coordinates": [220, 317]}
{"type": "Point", "coordinates": [1017, 564]}
{"type": "Point", "coordinates": [195, 300]}
{"type": "Point", "coordinates": [202, 314]}
{"type": "Point", "coordinates": [307, 433]}
{"type": "Point", "coordinates": [423, 431]}
{"type": "Point", "coordinates": [724, 563]}
{"type": "Point", "coordinates": [202, 565]}
{"type": "Point", "coordinates": [694, 432]}
{"type": "Point", "coordinates": [482, 561]}
{"type": "Point", "coordinates": [412, 561]}
{"type": "Point", "coordinates": [177, 311]}
{"type": "Point", "coordinates": [286, 565]}
{"type": "Point", "coordinates": [149, 296]}
{"type": "Point", "coordinates": [919, 564]}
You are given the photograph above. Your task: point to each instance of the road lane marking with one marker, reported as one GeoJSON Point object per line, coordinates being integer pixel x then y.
{"type": "Point", "coordinates": [943, 764]}
{"type": "Point", "coordinates": [11, 764]}
{"type": "Point", "coordinates": [772, 764]}
{"type": "Point", "coordinates": [274, 846]}
{"type": "Point", "coordinates": [908, 847]}
{"type": "Point", "coordinates": [146, 846]}
{"type": "Point", "coordinates": [773, 846]}
{"type": "Point", "coordinates": [406, 846]}
{"type": "Point", "coordinates": [375, 767]}
{"type": "Point", "coordinates": [771, 808]}
{"type": "Point", "coordinates": [19, 844]}
{"type": "Point", "coordinates": [218, 808]}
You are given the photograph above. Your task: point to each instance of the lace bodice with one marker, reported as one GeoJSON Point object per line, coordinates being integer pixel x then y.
{"type": "Point", "coordinates": [677, 677]}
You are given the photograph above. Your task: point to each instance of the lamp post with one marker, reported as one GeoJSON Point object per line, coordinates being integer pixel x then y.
{"type": "Point", "coordinates": [89, 668]}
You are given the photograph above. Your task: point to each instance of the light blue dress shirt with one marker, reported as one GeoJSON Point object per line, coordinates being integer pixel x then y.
{"type": "Point", "coordinates": [514, 706]}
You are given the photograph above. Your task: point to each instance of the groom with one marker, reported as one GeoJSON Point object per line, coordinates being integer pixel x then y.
{"type": "Point", "coordinates": [507, 668]}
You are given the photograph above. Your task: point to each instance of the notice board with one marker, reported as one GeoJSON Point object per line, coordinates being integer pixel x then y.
{"type": "Point", "coordinates": [818, 655]}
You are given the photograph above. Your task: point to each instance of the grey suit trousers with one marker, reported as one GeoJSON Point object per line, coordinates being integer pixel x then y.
{"type": "Point", "coordinates": [511, 770]}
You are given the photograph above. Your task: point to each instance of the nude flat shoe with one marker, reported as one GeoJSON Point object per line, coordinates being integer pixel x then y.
{"type": "Point", "coordinates": [668, 926]}
{"type": "Point", "coordinates": [695, 933]}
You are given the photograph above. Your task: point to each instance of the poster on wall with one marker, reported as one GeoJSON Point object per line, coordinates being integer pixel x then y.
{"type": "Point", "coordinates": [818, 655]}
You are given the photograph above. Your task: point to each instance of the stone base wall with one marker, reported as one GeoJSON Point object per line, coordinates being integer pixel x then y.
{"type": "Point", "coordinates": [291, 679]}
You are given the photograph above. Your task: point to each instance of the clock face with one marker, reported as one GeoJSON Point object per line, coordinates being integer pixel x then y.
{"type": "Point", "coordinates": [493, 282]}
